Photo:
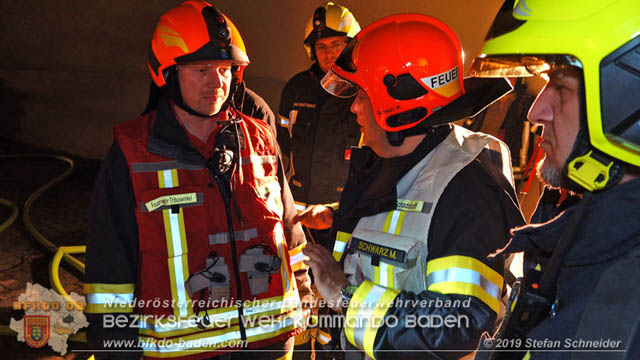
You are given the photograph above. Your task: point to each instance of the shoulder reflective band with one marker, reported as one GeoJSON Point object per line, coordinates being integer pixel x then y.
{"type": "Point", "coordinates": [223, 238]}
{"type": "Point", "coordinates": [323, 337]}
{"type": "Point", "coordinates": [258, 163]}
{"type": "Point", "coordinates": [268, 188]}
{"type": "Point", "coordinates": [366, 313]}
{"type": "Point", "coordinates": [342, 238]}
{"type": "Point", "coordinates": [413, 205]}
{"type": "Point", "coordinates": [297, 257]}
{"type": "Point", "coordinates": [377, 250]}
{"type": "Point", "coordinates": [259, 159]}
{"type": "Point", "coordinates": [168, 179]}
{"type": "Point", "coordinates": [109, 298]}
{"type": "Point", "coordinates": [393, 222]}
{"type": "Point", "coordinates": [465, 275]}
{"type": "Point", "coordinates": [163, 166]}
{"type": "Point", "coordinates": [175, 199]}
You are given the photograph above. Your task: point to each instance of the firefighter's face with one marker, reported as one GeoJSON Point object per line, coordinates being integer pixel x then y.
{"type": "Point", "coordinates": [557, 108]}
{"type": "Point", "coordinates": [372, 134]}
{"type": "Point", "coordinates": [328, 49]}
{"type": "Point", "coordinates": [205, 85]}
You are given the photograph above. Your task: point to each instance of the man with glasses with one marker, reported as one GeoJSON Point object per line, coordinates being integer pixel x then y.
{"type": "Point", "coordinates": [317, 130]}
{"type": "Point", "coordinates": [191, 218]}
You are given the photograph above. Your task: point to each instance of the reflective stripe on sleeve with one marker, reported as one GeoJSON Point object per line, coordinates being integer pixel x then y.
{"type": "Point", "coordinates": [299, 205]}
{"type": "Point", "coordinates": [323, 337]}
{"type": "Point", "coordinates": [285, 270]}
{"type": "Point", "coordinates": [284, 122]}
{"type": "Point", "coordinates": [109, 298]}
{"type": "Point", "coordinates": [366, 313]}
{"type": "Point", "coordinates": [465, 275]}
{"type": "Point", "coordinates": [297, 257]}
{"type": "Point", "coordinates": [293, 116]}
{"type": "Point", "coordinates": [342, 239]}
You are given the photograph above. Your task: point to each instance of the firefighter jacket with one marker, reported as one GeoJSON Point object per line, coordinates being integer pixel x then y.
{"type": "Point", "coordinates": [316, 133]}
{"type": "Point", "coordinates": [596, 306]}
{"type": "Point", "coordinates": [204, 259]}
{"type": "Point", "coordinates": [418, 250]}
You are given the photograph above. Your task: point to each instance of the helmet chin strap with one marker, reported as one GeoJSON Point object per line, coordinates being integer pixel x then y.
{"type": "Point", "coordinates": [396, 138]}
{"type": "Point", "coordinates": [587, 168]}
{"type": "Point", "coordinates": [175, 94]}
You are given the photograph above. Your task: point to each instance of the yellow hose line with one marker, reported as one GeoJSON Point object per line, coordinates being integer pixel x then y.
{"type": "Point", "coordinates": [80, 336]}
{"type": "Point", "coordinates": [62, 252]}
{"type": "Point", "coordinates": [54, 276]}
{"type": "Point", "coordinates": [12, 217]}
{"type": "Point", "coordinates": [26, 216]}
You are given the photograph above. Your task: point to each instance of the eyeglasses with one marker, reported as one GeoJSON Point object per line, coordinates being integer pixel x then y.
{"type": "Point", "coordinates": [333, 47]}
{"type": "Point", "coordinates": [203, 70]}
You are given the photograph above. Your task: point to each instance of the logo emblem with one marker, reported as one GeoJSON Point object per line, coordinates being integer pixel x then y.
{"type": "Point", "coordinates": [36, 330]}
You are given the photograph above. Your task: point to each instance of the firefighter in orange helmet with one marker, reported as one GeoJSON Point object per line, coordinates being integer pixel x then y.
{"type": "Point", "coordinates": [426, 201]}
{"type": "Point", "coordinates": [191, 219]}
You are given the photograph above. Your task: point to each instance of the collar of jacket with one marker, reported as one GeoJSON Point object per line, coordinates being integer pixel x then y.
{"type": "Point", "coordinates": [169, 138]}
{"type": "Point", "coordinates": [609, 228]}
{"type": "Point", "coordinates": [371, 186]}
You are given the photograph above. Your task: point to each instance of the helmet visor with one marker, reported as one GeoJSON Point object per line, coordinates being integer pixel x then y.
{"type": "Point", "coordinates": [336, 85]}
{"type": "Point", "coordinates": [519, 66]}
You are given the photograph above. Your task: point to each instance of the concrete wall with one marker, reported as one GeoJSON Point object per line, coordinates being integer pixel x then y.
{"type": "Point", "coordinates": [71, 70]}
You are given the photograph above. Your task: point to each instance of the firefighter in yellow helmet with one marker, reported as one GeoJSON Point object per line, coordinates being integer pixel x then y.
{"type": "Point", "coordinates": [580, 289]}
{"type": "Point", "coordinates": [190, 226]}
{"type": "Point", "coordinates": [316, 130]}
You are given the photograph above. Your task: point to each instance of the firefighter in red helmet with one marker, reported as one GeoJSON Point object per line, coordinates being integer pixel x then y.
{"type": "Point", "coordinates": [426, 201]}
{"type": "Point", "coordinates": [190, 224]}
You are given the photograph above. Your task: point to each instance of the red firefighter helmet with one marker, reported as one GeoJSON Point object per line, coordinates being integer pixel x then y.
{"type": "Point", "coordinates": [194, 31]}
{"type": "Point", "coordinates": [409, 65]}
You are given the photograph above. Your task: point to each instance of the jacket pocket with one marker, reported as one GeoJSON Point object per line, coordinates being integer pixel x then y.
{"type": "Point", "coordinates": [389, 260]}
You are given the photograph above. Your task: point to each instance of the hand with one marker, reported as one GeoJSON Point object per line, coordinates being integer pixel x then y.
{"type": "Point", "coordinates": [315, 217]}
{"type": "Point", "coordinates": [328, 275]}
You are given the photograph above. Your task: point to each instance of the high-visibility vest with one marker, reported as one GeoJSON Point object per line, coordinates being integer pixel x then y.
{"type": "Point", "coordinates": [183, 230]}
{"type": "Point", "coordinates": [390, 248]}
